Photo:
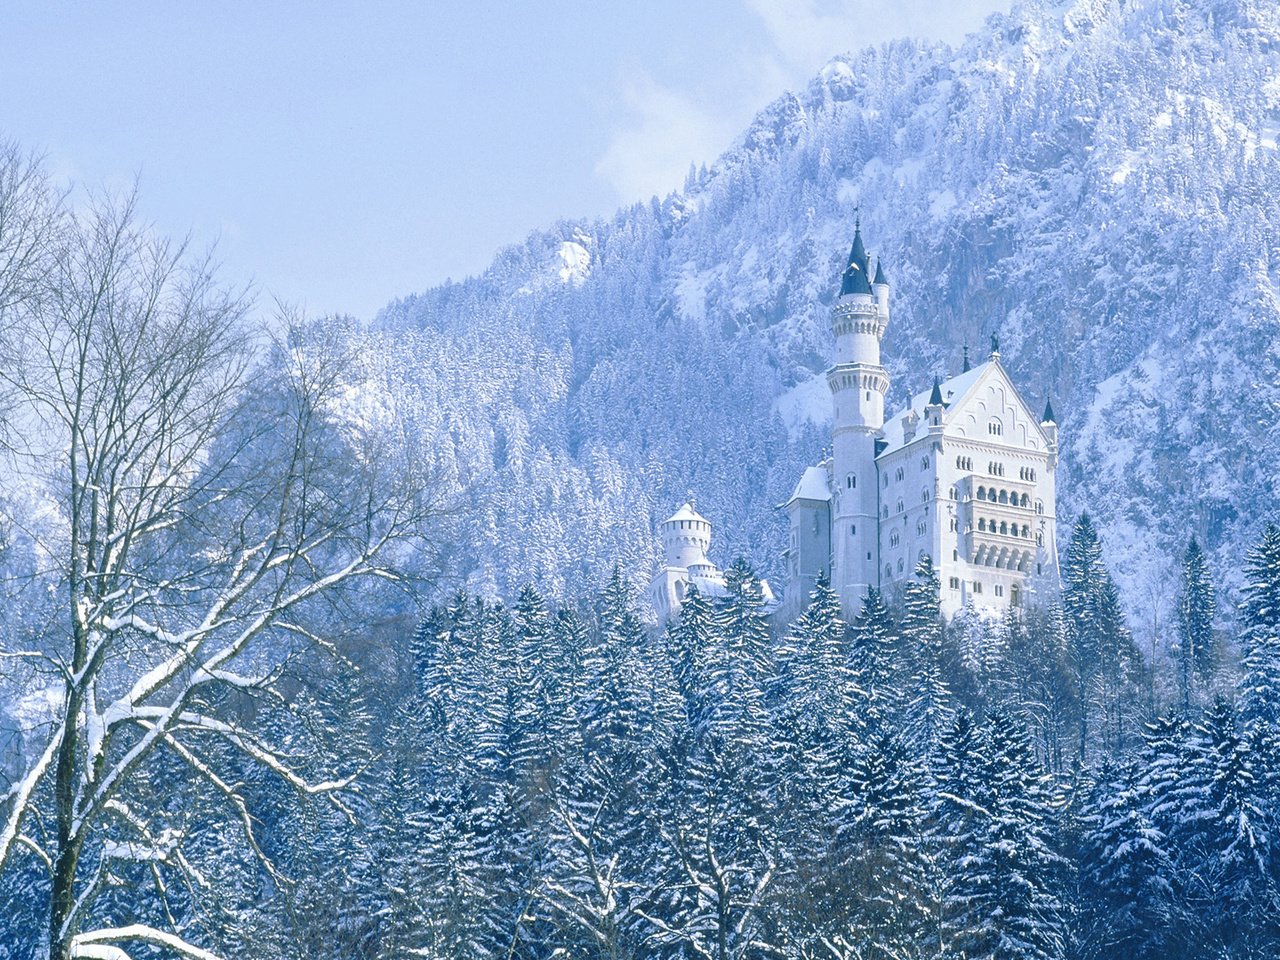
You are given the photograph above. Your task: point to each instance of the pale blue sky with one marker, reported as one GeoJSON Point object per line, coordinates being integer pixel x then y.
{"type": "Point", "coordinates": [345, 154]}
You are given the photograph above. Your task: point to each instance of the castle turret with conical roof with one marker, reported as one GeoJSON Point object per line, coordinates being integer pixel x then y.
{"type": "Point", "coordinates": [858, 385]}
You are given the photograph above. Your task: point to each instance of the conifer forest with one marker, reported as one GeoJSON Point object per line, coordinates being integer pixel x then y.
{"type": "Point", "coordinates": [326, 638]}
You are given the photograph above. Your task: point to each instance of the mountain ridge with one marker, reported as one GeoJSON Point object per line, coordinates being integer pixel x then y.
{"type": "Point", "coordinates": [1093, 181]}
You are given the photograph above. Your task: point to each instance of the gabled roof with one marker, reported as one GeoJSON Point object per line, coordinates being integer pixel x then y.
{"type": "Point", "coordinates": [813, 485]}
{"type": "Point", "coordinates": [953, 391]}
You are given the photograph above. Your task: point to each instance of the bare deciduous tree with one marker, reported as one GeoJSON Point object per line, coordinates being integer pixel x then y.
{"type": "Point", "coordinates": [208, 494]}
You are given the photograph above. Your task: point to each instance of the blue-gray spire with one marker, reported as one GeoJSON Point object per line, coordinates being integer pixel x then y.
{"type": "Point", "coordinates": [1048, 412]}
{"type": "Point", "coordinates": [855, 278]}
{"type": "Point", "coordinates": [935, 398]}
{"type": "Point", "coordinates": [880, 274]}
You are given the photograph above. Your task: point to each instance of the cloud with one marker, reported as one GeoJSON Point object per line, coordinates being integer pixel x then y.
{"type": "Point", "coordinates": [807, 33]}
{"type": "Point", "coordinates": [664, 128]}
{"type": "Point", "coordinates": [650, 154]}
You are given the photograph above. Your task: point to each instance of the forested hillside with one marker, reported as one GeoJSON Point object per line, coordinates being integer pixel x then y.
{"type": "Point", "coordinates": [1096, 182]}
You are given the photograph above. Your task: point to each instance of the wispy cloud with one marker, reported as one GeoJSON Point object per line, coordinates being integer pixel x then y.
{"type": "Point", "coordinates": [664, 129]}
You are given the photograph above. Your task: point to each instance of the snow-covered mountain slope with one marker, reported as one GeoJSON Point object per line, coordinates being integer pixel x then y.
{"type": "Point", "coordinates": [1096, 182]}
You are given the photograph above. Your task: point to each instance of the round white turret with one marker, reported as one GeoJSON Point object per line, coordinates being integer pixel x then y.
{"type": "Point", "coordinates": [686, 537]}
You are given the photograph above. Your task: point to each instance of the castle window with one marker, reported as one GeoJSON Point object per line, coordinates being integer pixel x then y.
{"type": "Point", "coordinates": [893, 539]}
{"type": "Point", "coordinates": [1013, 595]}
{"type": "Point", "coordinates": [1004, 527]}
{"type": "Point", "coordinates": [886, 481]}
{"type": "Point", "coordinates": [953, 524]}
{"type": "Point", "coordinates": [991, 495]}
{"type": "Point", "coordinates": [921, 527]}
{"type": "Point", "coordinates": [1040, 539]}
{"type": "Point", "coordinates": [924, 495]}
{"type": "Point", "coordinates": [982, 493]}
{"type": "Point", "coordinates": [955, 583]}
{"type": "Point", "coordinates": [901, 565]}
{"type": "Point", "coordinates": [1038, 570]}
{"type": "Point", "coordinates": [977, 586]}
{"type": "Point", "coordinates": [955, 554]}
{"type": "Point", "coordinates": [995, 428]}
{"type": "Point", "coordinates": [851, 481]}
{"type": "Point", "coordinates": [888, 571]}
{"type": "Point", "coordinates": [982, 524]}
{"type": "Point", "coordinates": [1026, 532]}
{"type": "Point", "coordinates": [899, 507]}
{"type": "Point", "coordinates": [1039, 506]}
{"type": "Point", "coordinates": [924, 463]}
{"type": "Point", "coordinates": [868, 554]}
{"type": "Point", "coordinates": [999, 590]}
{"type": "Point", "coordinates": [1004, 497]}
{"type": "Point", "coordinates": [853, 530]}
{"type": "Point", "coordinates": [897, 474]}
{"type": "Point", "coordinates": [885, 513]}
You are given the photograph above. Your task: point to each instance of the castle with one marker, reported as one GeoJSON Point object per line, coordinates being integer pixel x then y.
{"type": "Point", "coordinates": [965, 475]}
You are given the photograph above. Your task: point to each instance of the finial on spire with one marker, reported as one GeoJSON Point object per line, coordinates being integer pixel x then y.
{"type": "Point", "coordinates": [965, 368]}
{"type": "Point", "coordinates": [995, 345]}
{"type": "Point", "coordinates": [690, 500]}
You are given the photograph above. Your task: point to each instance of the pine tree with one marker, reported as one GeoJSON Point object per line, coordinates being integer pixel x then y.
{"type": "Point", "coordinates": [1103, 657]}
{"type": "Point", "coordinates": [1131, 906]}
{"type": "Point", "coordinates": [929, 709]}
{"type": "Point", "coordinates": [1197, 607]}
{"type": "Point", "coordinates": [874, 665]}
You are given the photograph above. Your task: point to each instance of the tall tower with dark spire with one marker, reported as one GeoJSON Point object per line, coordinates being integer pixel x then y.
{"type": "Point", "coordinates": [858, 385]}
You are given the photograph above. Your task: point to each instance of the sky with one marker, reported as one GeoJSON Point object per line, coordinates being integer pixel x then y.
{"type": "Point", "coordinates": [340, 155]}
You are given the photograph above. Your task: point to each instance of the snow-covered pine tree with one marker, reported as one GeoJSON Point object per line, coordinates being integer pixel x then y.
{"type": "Point", "coordinates": [1197, 606]}
{"type": "Point", "coordinates": [1106, 663]}
{"type": "Point", "coordinates": [874, 665]}
{"type": "Point", "coordinates": [1130, 903]}
{"type": "Point", "coordinates": [1260, 622]}
{"type": "Point", "coordinates": [929, 707]}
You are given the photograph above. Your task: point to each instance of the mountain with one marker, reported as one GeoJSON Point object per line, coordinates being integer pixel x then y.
{"type": "Point", "coordinates": [1095, 182]}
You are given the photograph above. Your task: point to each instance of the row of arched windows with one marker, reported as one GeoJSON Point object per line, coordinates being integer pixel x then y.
{"type": "Point", "coordinates": [1004, 528]}
{"type": "Point", "coordinates": [995, 469]}
{"type": "Point", "coordinates": [1012, 498]}
{"type": "Point", "coordinates": [1027, 473]}
{"type": "Point", "coordinates": [964, 463]}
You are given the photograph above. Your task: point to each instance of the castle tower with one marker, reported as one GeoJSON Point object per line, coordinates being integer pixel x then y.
{"type": "Point", "coordinates": [858, 385]}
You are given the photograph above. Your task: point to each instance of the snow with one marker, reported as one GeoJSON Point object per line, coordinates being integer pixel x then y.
{"type": "Point", "coordinates": [575, 262]}
{"type": "Point", "coordinates": [814, 485]}
{"type": "Point", "coordinates": [807, 403]}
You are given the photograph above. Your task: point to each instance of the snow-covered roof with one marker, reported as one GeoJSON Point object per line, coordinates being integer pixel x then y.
{"type": "Point", "coordinates": [813, 485]}
{"type": "Point", "coordinates": [952, 390]}
{"type": "Point", "coordinates": [687, 512]}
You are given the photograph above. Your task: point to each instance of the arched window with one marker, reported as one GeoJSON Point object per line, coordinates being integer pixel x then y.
{"type": "Point", "coordinates": [893, 539]}
{"type": "Point", "coordinates": [1004, 496]}
{"type": "Point", "coordinates": [991, 495]}
{"type": "Point", "coordinates": [921, 527]}
{"type": "Point", "coordinates": [924, 495]}
{"type": "Point", "coordinates": [888, 570]}
{"type": "Point", "coordinates": [982, 524]}
{"type": "Point", "coordinates": [886, 481]}
{"type": "Point", "coordinates": [982, 493]}
{"type": "Point", "coordinates": [1026, 532]}
{"type": "Point", "coordinates": [924, 463]}
{"type": "Point", "coordinates": [851, 481]}
{"type": "Point", "coordinates": [1004, 527]}
{"type": "Point", "coordinates": [953, 524]}
{"type": "Point", "coordinates": [901, 565]}
{"type": "Point", "coordinates": [899, 506]}
{"type": "Point", "coordinates": [884, 512]}
{"type": "Point", "coordinates": [1039, 506]}
{"type": "Point", "coordinates": [897, 474]}
{"type": "Point", "coordinates": [995, 428]}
